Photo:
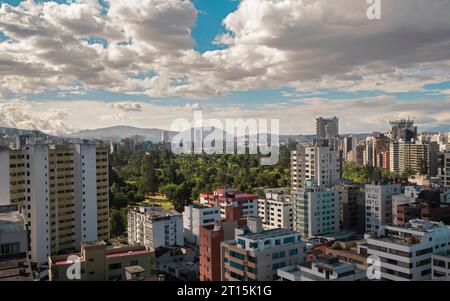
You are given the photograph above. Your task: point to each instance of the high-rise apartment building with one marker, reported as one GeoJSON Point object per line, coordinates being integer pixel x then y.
{"type": "Point", "coordinates": [418, 157]}
{"type": "Point", "coordinates": [320, 163]}
{"type": "Point", "coordinates": [196, 216]}
{"type": "Point", "coordinates": [403, 129]}
{"type": "Point", "coordinates": [378, 201]}
{"type": "Point", "coordinates": [275, 210]}
{"type": "Point", "coordinates": [316, 211]}
{"type": "Point", "coordinates": [62, 191]}
{"type": "Point", "coordinates": [327, 128]}
{"type": "Point", "coordinates": [256, 255]}
{"type": "Point", "coordinates": [406, 251]}
{"type": "Point", "coordinates": [155, 227]}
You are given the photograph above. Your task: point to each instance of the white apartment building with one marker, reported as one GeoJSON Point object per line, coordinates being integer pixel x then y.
{"type": "Point", "coordinates": [378, 201]}
{"type": "Point", "coordinates": [319, 163]}
{"type": "Point", "coordinates": [325, 268]}
{"type": "Point", "coordinates": [316, 211]}
{"type": "Point", "coordinates": [155, 227]}
{"type": "Point", "coordinates": [406, 251]}
{"type": "Point", "coordinates": [62, 192]}
{"type": "Point", "coordinates": [275, 211]}
{"type": "Point", "coordinates": [196, 216]}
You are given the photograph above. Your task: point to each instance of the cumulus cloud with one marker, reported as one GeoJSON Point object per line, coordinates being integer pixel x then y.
{"type": "Point", "coordinates": [304, 44]}
{"type": "Point", "coordinates": [22, 115]}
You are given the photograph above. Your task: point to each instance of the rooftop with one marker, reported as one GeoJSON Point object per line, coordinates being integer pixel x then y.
{"type": "Point", "coordinates": [97, 243]}
{"type": "Point", "coordinates": [135, 269]}
{"type": "Point", "coordinates": [268, 234]}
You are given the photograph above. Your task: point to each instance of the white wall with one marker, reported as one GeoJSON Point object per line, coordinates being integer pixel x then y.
{"type": "Point", "coordinates": [40, 227]}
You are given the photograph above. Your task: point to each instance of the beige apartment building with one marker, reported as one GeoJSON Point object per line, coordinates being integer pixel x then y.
{"type": "Point", "coordinates": [100, 263]}
{"type": "Point", "coordinates": [62, 192]}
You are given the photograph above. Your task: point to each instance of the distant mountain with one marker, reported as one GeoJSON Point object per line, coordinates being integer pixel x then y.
{"type": "Point", "coordinates": [13, 132]}
{"type": "Point", "coordinates": [121, 132]}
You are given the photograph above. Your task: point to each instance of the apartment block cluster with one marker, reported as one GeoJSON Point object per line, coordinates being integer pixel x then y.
{"type": "Point", "coordinates": [402, 219]}
{"type": "Point", "coordinates": [54, 213]}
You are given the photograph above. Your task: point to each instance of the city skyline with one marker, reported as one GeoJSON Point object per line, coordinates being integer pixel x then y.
{"type": "Point", "coordinates": [89, 64]}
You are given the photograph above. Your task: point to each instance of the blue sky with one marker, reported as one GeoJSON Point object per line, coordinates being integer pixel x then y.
{"type": "Point", "coordinates": [286, 88]}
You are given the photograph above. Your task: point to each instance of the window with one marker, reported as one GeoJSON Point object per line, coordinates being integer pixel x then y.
{"type": "Point", "coordinates": [293, 252]}
{"type": "Point", "coordinates": [424, 251]}
{"type": "Point", "coordinates": [236, 265]}
{"type": "Point", "coordinates": [115, 266]}
{"type": "Point", "coordinates": [251, 259]}
{"type": "Point", "coordinates": [237, 255]}
{"type": "Point", "coordinates": [11, 248]}
{"type": "Point", "coordinates": [288, 240]}
{"type": "Point", "coordinates": [253, 245]}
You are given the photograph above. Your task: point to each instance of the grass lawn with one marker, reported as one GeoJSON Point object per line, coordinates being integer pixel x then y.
{"type": "Point", "coordinates": [158, 200]}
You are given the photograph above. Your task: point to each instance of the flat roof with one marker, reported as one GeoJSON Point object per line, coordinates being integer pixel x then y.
{"type": "Point", "coordinates": [268, 234]}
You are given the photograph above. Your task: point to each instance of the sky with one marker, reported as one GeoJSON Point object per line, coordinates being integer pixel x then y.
{"type": "Point", "coordinates": [69, 65]}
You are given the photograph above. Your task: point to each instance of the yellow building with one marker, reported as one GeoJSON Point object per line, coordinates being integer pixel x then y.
{"type": "Point", "coordinates": [62, 191]}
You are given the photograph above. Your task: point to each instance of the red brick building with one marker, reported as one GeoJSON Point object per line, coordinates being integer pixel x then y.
{"type": "Point", "coordinates": [210, 239]}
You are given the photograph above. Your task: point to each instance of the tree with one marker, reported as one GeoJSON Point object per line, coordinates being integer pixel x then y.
{"type": "Point", "coordinates": [117, 222]}
{"type": "Point", "coordinates": [148, 182]}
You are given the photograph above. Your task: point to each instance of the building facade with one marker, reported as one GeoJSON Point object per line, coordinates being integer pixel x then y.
{"type": "Point", "coordinates": [226, 197]}
{"type": "Point", "coordinates": [97, 262]}
{"type": "Point", "coordinates": [316, 211]}
{"type": "Point", "coordinates": [406, 251]}
{"type": "Point", "coordinates": [256, 256]}
{"type": "Point", "coordinates": [62, 191]}
{"type": "Point", "coordinates": [378, 201]}
{"type": "Point", "coordinates": [155, 227]}
{"type": "Point", "coordinates": [320, 163]}
{"type": "Point", "coordinates": [195, 217]}
{"type": "Point", "coordinates": [275, 211]}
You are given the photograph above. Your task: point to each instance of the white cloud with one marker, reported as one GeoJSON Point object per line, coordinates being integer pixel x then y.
{"type": "Point", "coordinates": [303, 44]}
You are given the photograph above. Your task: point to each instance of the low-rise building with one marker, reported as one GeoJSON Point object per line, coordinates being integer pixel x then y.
{"type": "Point", "coordinates": [97, 262]}
{"type": "Point", "coordinates": [256, 255]}
{"type": "Point", "coordinates": [154, 227]}
{"type": "Point", "coordinates": [196, 216]}
{"type": "Point", "coordinates": [14, 263]}
{"type": "Point", "coordinates": [405, 252]}
{"type": "Point", "coordinates": [174, 254]}
{"type": "Point", "coordinates": [223, 198]}
{"type": "Point", "coordinates": [349, 251]}
{"type": "Point", "coordinates": [324, 268]}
